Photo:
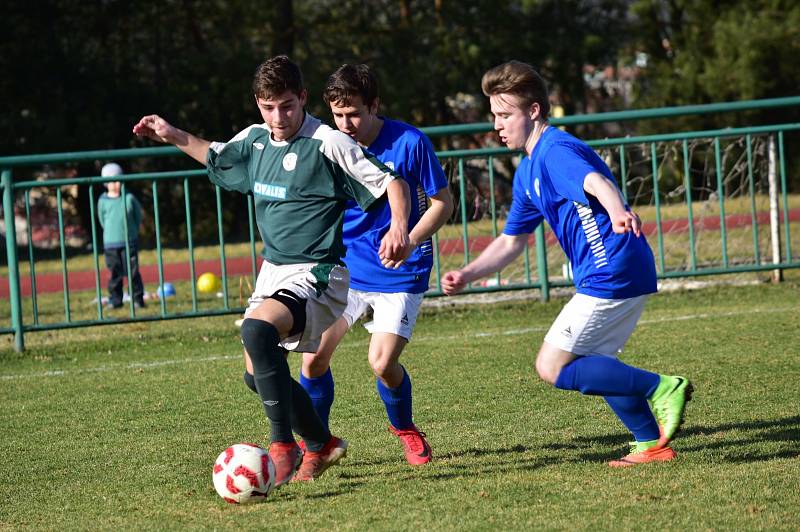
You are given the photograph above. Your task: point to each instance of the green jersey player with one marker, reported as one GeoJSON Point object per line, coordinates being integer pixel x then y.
{"type": "Point", "coordinates": [301, 174]}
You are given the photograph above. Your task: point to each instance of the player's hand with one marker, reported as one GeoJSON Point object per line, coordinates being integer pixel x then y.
{"type": "Point", "coordinates": [156, 128]}
{"type": "Point", "coordinates": [453, 282]}
{"type": "Point", "coordinates": [625, 222]}
{"type": "Point", "coordinates": [395, 247]}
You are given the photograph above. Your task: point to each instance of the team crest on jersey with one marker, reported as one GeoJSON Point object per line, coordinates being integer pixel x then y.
{"type": "Point", "coordinates": [536, 187]}
{"type": "Point", "coordinates": [258, 145]}
{"type": "Point", "coordinates": [289, 161]}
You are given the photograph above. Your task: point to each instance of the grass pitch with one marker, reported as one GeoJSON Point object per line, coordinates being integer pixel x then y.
{"type": "Point", "coordinates": [117, 427]}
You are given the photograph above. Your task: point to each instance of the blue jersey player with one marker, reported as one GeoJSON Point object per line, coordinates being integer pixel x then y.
{"type": "Point", "coordinates": [393, 294]}
{"type": "Point", "coordinates": [561, 180]}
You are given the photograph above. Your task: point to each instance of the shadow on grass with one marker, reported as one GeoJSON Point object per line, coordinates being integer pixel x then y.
{"type": "Point", "coordinates": [740, 449]}
{"type": "Point", "coordinates": [474, 453]}
{"type": "Point", "coordinates": [290, 492]}
{"type": "Point", "coordinates": [584, 448]}
{"type": "Point", "coordinates": [484, 452]}
{"type": "Point", "coordinates": [340, 490]}
{"type": "Point", "coordinates": [490, 460]}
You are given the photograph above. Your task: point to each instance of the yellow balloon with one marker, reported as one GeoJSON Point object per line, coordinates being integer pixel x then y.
{"type": "Point", "coordinates": [208, 283]}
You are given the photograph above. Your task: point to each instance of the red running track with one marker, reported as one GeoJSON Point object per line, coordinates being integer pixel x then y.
{"type": "Point", "coordinates": [85, 280]}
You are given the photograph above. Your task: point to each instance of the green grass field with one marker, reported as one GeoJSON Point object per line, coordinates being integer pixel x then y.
{"type": "Point", "coordinates": [116, 427]}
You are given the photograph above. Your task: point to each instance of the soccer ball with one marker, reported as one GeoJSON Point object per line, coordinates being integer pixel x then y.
{"type": "Point", "coordinates": [208, 283]}
{"type": "Point", "coordinates": [244, 473]}
{"type": "Point", "coordinates": [166, 290]}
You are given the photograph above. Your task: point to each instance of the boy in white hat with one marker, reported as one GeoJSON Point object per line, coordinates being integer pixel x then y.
{"type": "Point", "coordinates": [112, 210]}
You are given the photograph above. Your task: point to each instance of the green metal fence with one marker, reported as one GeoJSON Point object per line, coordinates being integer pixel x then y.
{"type": "Point", "coordinates": [661, 175]}
{"type": "Point", "coordinates": [715, 203]}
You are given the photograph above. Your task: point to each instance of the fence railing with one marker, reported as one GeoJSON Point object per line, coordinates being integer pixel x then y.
{"type": "Point", "coordinates": [706, 198]}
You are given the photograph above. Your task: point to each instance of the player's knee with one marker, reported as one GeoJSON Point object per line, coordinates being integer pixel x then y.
{"type": "Point", "coordinates": [379, 368]}
{"type": "Point", "coordinates": [546, 371]}
{"type": "Point", "coordinates": [315, 364]}
{"type": "Point", "coordinates": [260, 339]}
{"type": "Point", "coordinates": [255, 332]}
{"type": "Point", "coordinates": [384, 367]}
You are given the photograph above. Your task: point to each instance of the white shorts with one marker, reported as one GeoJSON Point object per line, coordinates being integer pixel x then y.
{"type": "Point", "coordinates": [594, 326]}
{"type": "Point", "coordinates": [394, 313]}
{"type": "Point", "coordinates": [324, 288]}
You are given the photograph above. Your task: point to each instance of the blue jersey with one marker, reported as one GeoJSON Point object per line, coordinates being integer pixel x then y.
{"type": "Point", "coordinates": [410, 153]}
{"type": "Point", "coordinates": [549, 185]}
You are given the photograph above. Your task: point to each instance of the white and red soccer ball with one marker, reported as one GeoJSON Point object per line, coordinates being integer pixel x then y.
{"type": "Point", "coordinates": [244, 473]}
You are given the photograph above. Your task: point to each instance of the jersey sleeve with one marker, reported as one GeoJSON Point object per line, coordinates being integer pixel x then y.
{"type": "Point", "coordinates": [429, 169]}
{"type": "Point", "coordinates": [567, 168]}
{"type": "Point", "coordinates": [365, 177]}
{"type": "Point", "coordinates": [524, 216]}
{"type": "Point", "coordinates": [228, 163]}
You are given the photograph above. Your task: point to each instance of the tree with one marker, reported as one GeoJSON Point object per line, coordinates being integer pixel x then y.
{"type": "Point", "coordinates": [710, 51]}
{"type": "Point", "coordinates": [79, 73]}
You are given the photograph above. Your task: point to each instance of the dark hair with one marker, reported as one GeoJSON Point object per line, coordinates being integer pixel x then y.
{"type": "Point", "coordinates": [349, 81]}
{"type": "Point", "coordinates": [276, 76]}
{"type": "Point", "coordinates": [519, 79]}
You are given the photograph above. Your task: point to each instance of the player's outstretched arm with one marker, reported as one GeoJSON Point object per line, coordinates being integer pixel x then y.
{"type": "Point", "coordinates": [609, 196]}
{"type": "Point", "coordinates": [395, 245]}
{"type": "Point", "coordinates": [437, 214]}
{"type": "Point", "coordinates": [494, 258]}
{"type": "Point", "coordinates": [156, 128]}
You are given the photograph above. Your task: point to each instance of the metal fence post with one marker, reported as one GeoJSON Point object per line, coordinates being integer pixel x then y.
{"type": "Point", "coordinates": [774, 222]}
{"type": "Point", "coordinates": [541, 263]}
{"type": "Point", "coordinates": [13, 265]}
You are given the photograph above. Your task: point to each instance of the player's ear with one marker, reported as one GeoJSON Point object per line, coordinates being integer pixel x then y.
{"type": "Point", "coordinates": [303, 97]}
{"type": "Point", "coordinates": [534, 111]}
{"type": "Point", "coordinates": [373, 109]}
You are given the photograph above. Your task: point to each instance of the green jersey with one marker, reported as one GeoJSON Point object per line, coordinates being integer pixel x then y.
{"type": "Point", "coordinates": [300, 186]}
{"type": "Point", "coordinates": [111, 212]}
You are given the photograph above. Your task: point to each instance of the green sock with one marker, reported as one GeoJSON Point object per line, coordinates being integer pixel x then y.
{"type": "Point", "coordinates": [644, 445]}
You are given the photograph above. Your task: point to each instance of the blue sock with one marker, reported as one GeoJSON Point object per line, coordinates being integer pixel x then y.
{"type": "Point", "coordinates": [397, 402]}
{"type": "Point", "coordinates": [320, 389]}
{"type": "Point", "coordinates": [606, 376]}
{"type": "Point", "coordinates": [635, 414]}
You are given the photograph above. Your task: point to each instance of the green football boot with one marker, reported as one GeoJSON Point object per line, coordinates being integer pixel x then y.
{"type": "Point", "coordinates": [669, 403]}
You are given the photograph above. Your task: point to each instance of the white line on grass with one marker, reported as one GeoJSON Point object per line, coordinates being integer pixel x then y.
{"type": "Point", "coordinates": [134, 365]}
{"type": "Point", "coordinates": [689, 317]}
{"type": "Point", "coordinates": [510, 332]}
